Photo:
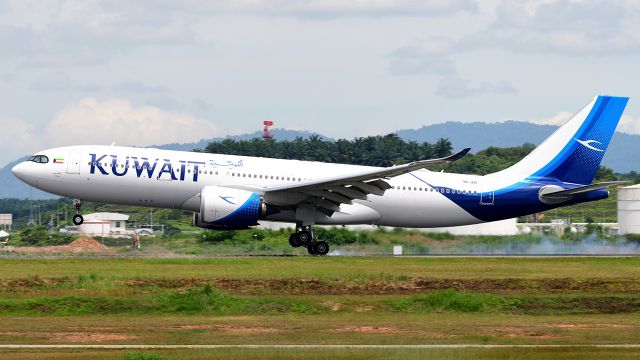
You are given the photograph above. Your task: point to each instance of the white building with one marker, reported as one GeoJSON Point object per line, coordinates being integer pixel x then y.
{"type": "Point", "coordinates": [629, 210]}
{"type": "Point", "coordinates": [5, 221]}
{"type": "Point", "coordinates": [104, 224]}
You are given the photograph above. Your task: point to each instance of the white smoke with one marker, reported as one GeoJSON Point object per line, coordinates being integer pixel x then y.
{"type": "Point", "coordinates": [590, 245]}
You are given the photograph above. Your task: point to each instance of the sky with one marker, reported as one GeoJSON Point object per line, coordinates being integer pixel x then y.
{"type": "Point", "coordinates": [154, 72]}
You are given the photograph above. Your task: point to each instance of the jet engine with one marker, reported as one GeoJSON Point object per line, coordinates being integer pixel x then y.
{"type": "Point", "coordinates": [228, 209]}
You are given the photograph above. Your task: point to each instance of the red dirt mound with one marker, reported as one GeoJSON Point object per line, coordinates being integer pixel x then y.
{"type": "Point", "coordinates": [79, 245]}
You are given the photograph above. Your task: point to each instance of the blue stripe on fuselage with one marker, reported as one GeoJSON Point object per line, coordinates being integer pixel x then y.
{"type": "Point", "coordinates": [516, 200]}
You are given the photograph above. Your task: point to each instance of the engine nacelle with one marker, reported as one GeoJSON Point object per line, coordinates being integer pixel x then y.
{"type": "Point", "coordinates": [225, 208]}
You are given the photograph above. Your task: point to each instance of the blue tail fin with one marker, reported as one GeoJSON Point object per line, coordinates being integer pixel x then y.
{"type": "Point", "coordinates": [573, 153]}
{"type": "Point", "coordinates": [579, 160]}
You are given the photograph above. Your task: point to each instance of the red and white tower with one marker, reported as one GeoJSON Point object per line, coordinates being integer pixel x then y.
{"type": "Point", "coordinates": [266, 133]}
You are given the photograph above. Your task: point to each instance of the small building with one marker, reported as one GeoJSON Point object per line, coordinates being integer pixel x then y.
{"type": "Point", "coordinates": [6, 220]}
{"type": "Point", "coordinates": [117, 222]}
{"type": "Point", "coordinates": [629, 210]}
{"type": "Point", "coordinates": [102, 224]}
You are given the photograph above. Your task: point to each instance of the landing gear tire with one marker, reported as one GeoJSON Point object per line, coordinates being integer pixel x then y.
{"type": "Point", "coordinates": [312, 248]}
{"type": "Point", "coordinates": [321, 248]}
{"type": "Point", "coordinates": [294, 240]}
{"type": "Point", "coordinates": [78, 219]}
{"type": "Point", "coordinates": [304, 238]}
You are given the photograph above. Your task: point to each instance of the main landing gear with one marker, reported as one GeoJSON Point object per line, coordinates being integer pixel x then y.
{"type": "Point", "coordinates": [304, 237]}
{"type": "Point", "coordinates": [77, 218]}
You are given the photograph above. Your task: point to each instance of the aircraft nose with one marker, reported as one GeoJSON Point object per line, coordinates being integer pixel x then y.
{"type": "Point", "coordinates": [20, 170]}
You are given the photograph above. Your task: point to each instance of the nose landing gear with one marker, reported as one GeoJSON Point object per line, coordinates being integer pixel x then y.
{"type": "Point", "coordinates": [304, 237]}
{"type": "Point", "coordinates": [77, 218]}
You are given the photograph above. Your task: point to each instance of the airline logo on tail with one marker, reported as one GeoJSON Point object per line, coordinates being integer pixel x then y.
{"type": "Point", "coordinates": [587, 144]}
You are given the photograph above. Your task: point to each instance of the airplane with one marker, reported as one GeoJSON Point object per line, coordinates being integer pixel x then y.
{"type": "Point", "coordinates": [227, 192]}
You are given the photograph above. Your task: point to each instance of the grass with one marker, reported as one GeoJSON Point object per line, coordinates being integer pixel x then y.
{"type": "Point", "coordinates": [207, 301]}
{"type": "Point", "coordinates": [324, 354]}
{"type": "Point", "coordinates": [306, 300]}
{"type": "Point", "coordinates": [326, 268]}
{"type": "Point", "coordinates": [449, 300]}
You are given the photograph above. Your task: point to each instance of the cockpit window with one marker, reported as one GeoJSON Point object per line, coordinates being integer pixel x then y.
{"type": "Point", "coordinates": [40, 159]}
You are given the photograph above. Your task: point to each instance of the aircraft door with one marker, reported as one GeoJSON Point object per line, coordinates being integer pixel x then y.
{"type": "Point", "coordinates": [73, 164]}
{"type": "Point", "coordinates": [486, 194]}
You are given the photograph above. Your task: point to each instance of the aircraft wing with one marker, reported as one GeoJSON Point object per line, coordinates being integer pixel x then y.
{"type": "Point", "coordinates": [328, 193]}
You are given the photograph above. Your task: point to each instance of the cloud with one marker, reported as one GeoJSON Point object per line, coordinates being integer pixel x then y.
{"type": "Point", "coordinates": [18, 136]}
{"type": "Point", "coordinates": [575, 28]}
{"type": "Point", "coordinates": [53, 82]}
{"type": "Point", "coordinates": [88, 32]}
{"type": "Point", "coordinates": [428, 56]}
{"type": "Point", "coordinates": [319, 9]}
{"type": "Point", "coordinates": [434, 56]}
{"type": "Point", "coordinates": [457, 87]}
{"type": "Point", "coordinates": [627, 124]}
{"type": "Point", "coordinates": [90, 121]}
{"type": "Point", "coordinates": [558, 119]}
{"type": "Point", "coordinates": [60, 82]}
{"type": "Point", "coordinates": [137, 87]}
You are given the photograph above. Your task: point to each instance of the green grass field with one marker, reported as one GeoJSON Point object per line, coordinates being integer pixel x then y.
{"type": "Point", "coordinates": [331, 300]}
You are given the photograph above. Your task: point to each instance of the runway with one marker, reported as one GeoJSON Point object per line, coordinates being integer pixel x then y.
{"type": "Point", "coordinates": [312, 346]}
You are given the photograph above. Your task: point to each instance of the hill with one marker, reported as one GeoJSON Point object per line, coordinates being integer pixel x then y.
{"type": "Point", "coordinates": [10, 186]}
{"type": "Point", "coordinates": [479, 136]}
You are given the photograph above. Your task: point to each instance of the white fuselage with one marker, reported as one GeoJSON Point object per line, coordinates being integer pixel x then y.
{"type": "Point", "coordinates": [174, 179]}
{"type": "Point", "coordinates": [305, 192]}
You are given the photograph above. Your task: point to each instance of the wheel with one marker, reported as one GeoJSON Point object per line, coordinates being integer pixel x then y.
{"type": "Point", "coordinates": [311, 248]}
{"type": "Point", "coordinates": [304, 237]}
{"type": "Point", "coordinates": [322, 248]}
{"type": "Point", "coordinates": [77, 219]}
{"type": "Point", "coordinates": [294, 241]}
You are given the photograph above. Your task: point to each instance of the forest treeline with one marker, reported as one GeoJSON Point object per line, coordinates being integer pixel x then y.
{"type": "Point", "coordinates": [387, 150]}
{"type": "Point", "coordinates": [373, 150]}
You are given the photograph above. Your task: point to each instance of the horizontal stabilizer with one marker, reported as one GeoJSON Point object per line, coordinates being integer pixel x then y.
{"type": "Point", "coordinates": [556, 194]}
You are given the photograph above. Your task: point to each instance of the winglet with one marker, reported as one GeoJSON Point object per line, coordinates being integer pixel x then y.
{"type": "Point", "coordinates": [457, 155]}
